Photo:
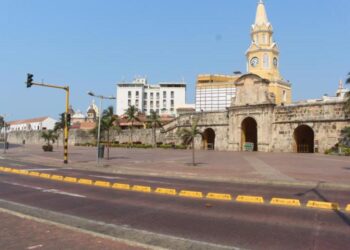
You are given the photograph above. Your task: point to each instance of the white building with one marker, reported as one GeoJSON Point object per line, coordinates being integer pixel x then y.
{"type": "Point", "coordinates": [41, 123]}
{"type": "Point", "coordinates": [163, 98]}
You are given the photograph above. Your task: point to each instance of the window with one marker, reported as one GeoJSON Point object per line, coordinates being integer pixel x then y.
{"type": "Point", "coordinates": [172, 94]}
{"type": "Point", "coordinates": [151, 96]}
{"type": "Point", "coordinates": [157, 104]}
{"type": "Point", "coordinates": [157, 95]}
{"type": "Point", "coordinates": [172, 103]}
{"type": "Point", "coordinates": [151, 104]}
{"type": "Point", "coordinates": [164, 104]}
{"type": "Point", "coordinates": [137, 94]}
{"type": "Point", "coordinates": [266, 61]}
{"type": "Point", "coordinates": [137, 103]}
{"type": "Point", "coordinates": [145, 95]}
{"type": "Point", "coordinates": [144, 103]}
{"type": "Point", "coordinates": [129, 94]}
{"type": "Point", "coordinates": [284, 96]}
{"type": "Point", "coordinates": [164, 94]}
{"type": "Point", "coordinates": [129, 102]}
{"type": "Point", "coordinates": [264, 38]}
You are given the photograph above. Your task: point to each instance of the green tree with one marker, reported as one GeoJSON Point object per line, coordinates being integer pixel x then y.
{"type": "Point", "coordinates": [109, 123]}
{"type": "Point", "coordinates": [132, 116]}
{"type": "Point", "coordinates": [154, 122]}
{"type": "Point", "coordinates": [188, 136]}
{"type": "Point", "coordinates": [49, 136]}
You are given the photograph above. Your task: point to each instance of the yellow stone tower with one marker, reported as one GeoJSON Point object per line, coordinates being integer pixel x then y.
{"type": "Point", "coordinates": [263, 56]}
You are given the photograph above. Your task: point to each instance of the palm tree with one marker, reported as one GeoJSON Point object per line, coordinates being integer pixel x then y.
{"type": "Point", "coordinates": [131, 115]}
{"type": "Point", "coordinates": [49, 136]}
{"type": "Point", "coordinates": [188, 136]}
{"type": "Point", "coordinates": [154, 122]}
{"type": "Point", "coordinates": [109, 122]}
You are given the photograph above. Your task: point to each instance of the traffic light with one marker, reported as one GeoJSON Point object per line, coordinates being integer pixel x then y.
{"type": "Point", "coordinates": [29, 80]}
{"type": "Point", "coordinates": [68, 120]}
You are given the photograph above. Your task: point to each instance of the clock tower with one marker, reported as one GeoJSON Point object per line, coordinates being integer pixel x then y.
{"type": "Point", "coordinates": [263, 56]}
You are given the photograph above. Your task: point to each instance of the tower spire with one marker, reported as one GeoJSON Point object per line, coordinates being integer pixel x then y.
{"type": "Point", "coordinates": [261, 16]}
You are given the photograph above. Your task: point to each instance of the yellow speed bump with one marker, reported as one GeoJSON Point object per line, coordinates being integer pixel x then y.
{"type": "Point", "coordinates": [102, 183]}
{"type": "Point", "coordinates": [24, 172]}
{"type": "Point", "coordinates": [45, 176]}
{"type": "Point", "coordinates": [250, 199]}
{"type": "Point", "coordinates": [34, 174]}
{"type": "Point", "coordinates": [323, 205]}
{"type": "Point", "coordinates": [85, 181]}
{"type": "Point", "coordinates": [70, 179]}
{"type": "Point", "coordinates": [347, 208]}
{"type": "Point", "coordinates": [7, 169]}
{"type": "Point", "coordinates": [167, 191]}
{"type": "Point", "coordinates": [191, 194]}
{"type": "Point", "coordinates": [121, 186]}
{"type": "Point", "coordinates": [15, 171]}
{"type": "Point", "coordinates": [144, 189]}
{"type": "Point", "coordinates": [285, 202]}
{"type": "Point", "coordinates": [218, 196]}
{"type": "Point", "coordinates": [57, 177]}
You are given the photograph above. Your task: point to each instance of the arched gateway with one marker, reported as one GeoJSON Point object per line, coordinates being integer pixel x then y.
{"type": "Point", "coordinates": [304, 139]}
{"type": "Point", "coordinates": [208, 139]}
{"type": "Point", "coordinates": [249, 133]}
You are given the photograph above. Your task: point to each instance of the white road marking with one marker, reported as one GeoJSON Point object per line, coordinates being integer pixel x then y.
{"type": "Point", "coordinates": [2, 158]}
{"type": "Point", "coordinates": [17, 164]}
{"type": "Point", "coordinates": [35, 247]}
{"type": "Point", "coordinates": [54, 191]}
{"type": "Point", "coordinates": [41, 169]}
{"type": "Point", "coordinates": [106, 177]}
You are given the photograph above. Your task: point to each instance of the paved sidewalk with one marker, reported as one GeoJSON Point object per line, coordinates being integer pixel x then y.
{"type": "Point", "coordinates": [22, 232]}
{"type": "Point", "coordinates": [276, 168]}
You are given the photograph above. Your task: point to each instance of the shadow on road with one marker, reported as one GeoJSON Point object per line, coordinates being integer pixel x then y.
{"type": "Point", "coordinates": [316, 191]}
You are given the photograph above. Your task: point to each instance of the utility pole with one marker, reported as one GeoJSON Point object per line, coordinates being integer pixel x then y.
{"type": "Point", "coordinates": [30, 83]}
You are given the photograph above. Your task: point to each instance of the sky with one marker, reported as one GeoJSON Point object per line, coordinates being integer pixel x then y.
{"type": "Point", "coordinates": [91, 45]}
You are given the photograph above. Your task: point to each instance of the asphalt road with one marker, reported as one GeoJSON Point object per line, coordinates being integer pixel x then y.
{"type": "Point", "coordinates": [232, 224]}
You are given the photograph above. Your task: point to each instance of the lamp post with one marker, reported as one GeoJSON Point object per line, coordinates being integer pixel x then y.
{"type": "Point", "coordinates": [4, 128]}
{"type": "Point", "coordinates": [101, 97]}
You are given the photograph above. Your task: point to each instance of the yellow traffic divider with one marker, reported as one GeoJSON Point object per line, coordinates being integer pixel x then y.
{"type": "Point", "coordinates": [24, 172]}
{"type": "Point", "coordinates": [285, 202]}
{"type": "Point", "coordinates": [102, 183]}
{"type": "Point", "coordinates": [144, 189]}
{"type": "Point", "coordinates": [191, 194]}
{"type": "Point", "coordinates": [167, 191]}
{"type": "Point", "coordinates": [250, 199]}
{"type": "Point", "coordinates": [7, 170]}
{"type": "Point", "coordinates": [36, 174]}
{"type": "Point", "coordinates": [85, 181]}
{"type": "Point", "coordinates": [57, 177]}
{"type": "Point", "coordinates": [218, 196]}
{"type": "Point", "coordinates": [121, 186]}
{"type": "Point", "coordinates": [70, 179]}
{"type": "Point", "coordinates": [323, 205]}
{"type": "Point", "coordinates": [15, 171]}
{"type": "Point", "coordinates": [347, 208]}
{"type": "Point", "coordinates": [45, 176]}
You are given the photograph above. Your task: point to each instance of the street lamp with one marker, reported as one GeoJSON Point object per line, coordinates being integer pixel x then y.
{"type": "Point", "coordinates": [101, 97]}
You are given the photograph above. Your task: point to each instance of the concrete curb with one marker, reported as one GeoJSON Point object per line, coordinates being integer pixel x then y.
{"type": "Point", "coordinates": [144, 238]}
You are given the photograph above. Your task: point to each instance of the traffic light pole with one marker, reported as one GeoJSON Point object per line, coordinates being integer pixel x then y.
{"type": "Point", "coordinates": [66, 130]}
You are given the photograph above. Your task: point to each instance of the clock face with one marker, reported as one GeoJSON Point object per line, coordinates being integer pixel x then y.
{"type": "Point", "coordinates": [275, 62]}
{"type": "Point", "coordinates": [254, 61]}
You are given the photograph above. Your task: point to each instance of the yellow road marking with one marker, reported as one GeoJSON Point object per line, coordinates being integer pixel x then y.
{"type": "Point", "coordinates": [57, 177]}
{"type": "Point", "coordinates": [37, 174]}
{"type": "Point", "coordinates": [323, 205]}
{"type": "Point", "coordinates": [45, 176]}
{"type": "Point", "coordinates": [121, 186]}
{"type": "Point", "coordinates": [347, 208]}
{"type": "Point", "coordinates": [192, 194]}
{"type": "Point", "coordinates": [167, 191]}
{"type": "Point", "coordinates": [285, 202]}
{"type": "Point", "coordinates": [15, 171]}
{"type": "Point", "coordinates": [70, 179]}
{"type": "Point", "coordinates": [219, 196]}
{"type": "Point", "coordinates": [102, 183]}
{"type": "Point", "coordinates": [24, 172]}
{"type": "Point", "coordinates": [250, 199]}
{"type": "Point", "coordinates": [85, 181]}
{"type": "Point", "coordinates": [7, 169]}
{"type": "Point", "coordinates": [139, 188]}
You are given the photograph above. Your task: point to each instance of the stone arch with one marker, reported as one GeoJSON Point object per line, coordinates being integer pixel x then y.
{"type": "Point", "coordinates": [304, 137]}
{"type": "Point", "coordinates": [208, 139]}
{"type": "Point", "coordinates": [249, 129]}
